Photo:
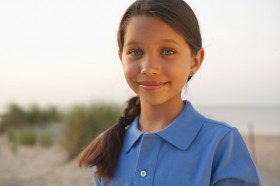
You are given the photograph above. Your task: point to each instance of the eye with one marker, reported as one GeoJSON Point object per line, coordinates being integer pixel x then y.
{"type": "Point", "coordinates": [136, 53]}
{"type": "Point", "coordinates": [167, 52]}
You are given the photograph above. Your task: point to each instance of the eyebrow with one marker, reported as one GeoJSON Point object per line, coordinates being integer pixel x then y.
{"type": "Point", "coordinates": [132, 43]}
{"type": "Point", "coordinates": [163, 41]}
{"type": "Point", "coordinates": [171, 41]}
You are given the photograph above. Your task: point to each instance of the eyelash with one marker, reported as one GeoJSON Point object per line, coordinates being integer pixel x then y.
{"type": "Point", "coordinates": [169, 52]}
{"type": "Point", "coordinates": [132, 52]}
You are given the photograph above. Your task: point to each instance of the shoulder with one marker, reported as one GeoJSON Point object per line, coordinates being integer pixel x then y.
{"type": "Point", "coordinates": [232, 163]}
{"type": "Point", "coordinates": [206, 129]}
{"type": "Point", "coordinates": [207, 125]}
{"type": "Point", "coordinates": [218, 129]}
{"type": "Point", "coordinates": [221, 136]}
{"type": "Point", "coordinates": [218, 124]}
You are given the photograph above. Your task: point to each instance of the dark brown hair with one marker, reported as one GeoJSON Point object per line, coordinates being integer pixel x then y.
{"type": "Point", "coordinates": [103, 152]}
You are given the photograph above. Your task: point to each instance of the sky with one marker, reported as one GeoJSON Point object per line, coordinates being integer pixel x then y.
{"type": "Point", "coordinates": [64, 52]}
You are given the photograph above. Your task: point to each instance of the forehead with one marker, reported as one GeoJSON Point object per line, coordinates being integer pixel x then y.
{"type": "Point", "coordinates": [148, 28]}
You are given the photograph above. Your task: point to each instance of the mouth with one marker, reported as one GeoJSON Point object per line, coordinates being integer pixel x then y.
{"type": "Point", "coordinates": [151, 85]}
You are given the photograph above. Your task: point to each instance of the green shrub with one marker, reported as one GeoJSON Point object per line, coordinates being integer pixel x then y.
{"type": "Point", "coordinates": [14, 139]}
{"type": "Point", "coordinates": [14, 116]}
{"type": "Point", "coordinates": [17, 116]}
{"type": "Point", "coordinates": [14, 146]}
{"type": "Point", "coordinates": [21, 136]}
{"type": "Point", "coordinates": [46, 140]}
{"type": "Point", "coordinates": [11, 133]}
{"type": "Point", "coordinates": [27, 136]}
{"type": "Point", "coordinates": [40, 116]}
{"type": "Point", "coordinates": [82, 124]}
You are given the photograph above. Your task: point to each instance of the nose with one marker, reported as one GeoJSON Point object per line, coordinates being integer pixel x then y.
{"type": "Point", "coordinates": [150, 65]}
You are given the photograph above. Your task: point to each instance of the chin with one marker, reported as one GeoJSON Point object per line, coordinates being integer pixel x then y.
{"type": "Point", "coordinates": [153, 101]}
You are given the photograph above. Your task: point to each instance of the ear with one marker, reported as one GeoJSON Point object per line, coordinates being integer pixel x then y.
{"type": "Point", "coordinates": [120, 55]}
{"type": "Point", "coordinates": [197, 61]}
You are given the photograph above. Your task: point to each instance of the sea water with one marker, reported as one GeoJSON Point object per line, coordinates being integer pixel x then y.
{"type": "Point", "coordinates": [262, 120]}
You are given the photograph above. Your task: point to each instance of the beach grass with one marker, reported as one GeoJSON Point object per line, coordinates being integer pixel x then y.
{"type": "Point", "coordinates": [83, 123]}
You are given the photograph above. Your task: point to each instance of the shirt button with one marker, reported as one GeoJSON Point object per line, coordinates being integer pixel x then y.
{"type": "Point", "coordinates": [143, 173]}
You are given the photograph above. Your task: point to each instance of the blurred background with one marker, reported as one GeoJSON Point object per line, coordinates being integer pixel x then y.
{"type": "Point", "coordinates": [61, 82]}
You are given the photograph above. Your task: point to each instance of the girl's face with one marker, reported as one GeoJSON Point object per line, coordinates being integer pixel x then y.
{"type": "Point", "coordinates": [156, 60]}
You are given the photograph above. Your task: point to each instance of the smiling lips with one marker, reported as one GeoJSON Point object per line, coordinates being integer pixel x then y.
{"type": "Point", "coordinates": [151, 85]}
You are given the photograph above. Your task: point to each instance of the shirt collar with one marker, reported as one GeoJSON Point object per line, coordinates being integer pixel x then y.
{"type": "Point", "coordinates": [183, 130]}
{"type": "Point", "coordinates": [180, 132]}
{"type": "Point", "coordinates": [132, 134]}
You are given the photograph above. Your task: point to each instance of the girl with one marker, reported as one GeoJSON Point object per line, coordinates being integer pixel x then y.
{"type": "Point", "coordinates": [161, 139]}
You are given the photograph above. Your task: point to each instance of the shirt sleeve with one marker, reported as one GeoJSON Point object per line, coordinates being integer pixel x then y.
{"type": "Point", "coordinates": [232, 164]}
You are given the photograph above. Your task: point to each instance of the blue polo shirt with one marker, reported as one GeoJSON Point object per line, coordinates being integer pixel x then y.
{"type": "Point", "coordinates": [191, 151]}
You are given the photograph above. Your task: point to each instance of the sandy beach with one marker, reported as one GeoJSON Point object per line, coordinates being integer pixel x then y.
{"type": "Point", "coordinates": [39, 166]}
{"type": "Point", "coordinates": [267, 153]}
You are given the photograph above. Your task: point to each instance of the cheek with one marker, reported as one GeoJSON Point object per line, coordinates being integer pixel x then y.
{"type": "Point", "coordinates": [130, 73]}
{"type": "Point", "coordinates": [178, 71]}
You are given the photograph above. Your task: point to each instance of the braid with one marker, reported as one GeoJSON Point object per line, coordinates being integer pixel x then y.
{"type": "Point", "coordinates": [103, 152]}
{"type": "Point", "coordinates": [132, 108]}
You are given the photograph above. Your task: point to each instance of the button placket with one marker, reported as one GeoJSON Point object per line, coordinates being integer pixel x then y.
{"type": "Point", "coordinates": [147, 160]}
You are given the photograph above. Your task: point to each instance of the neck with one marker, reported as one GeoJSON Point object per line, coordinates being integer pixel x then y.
{"type": "Point", "coordinates": [156, 117]}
